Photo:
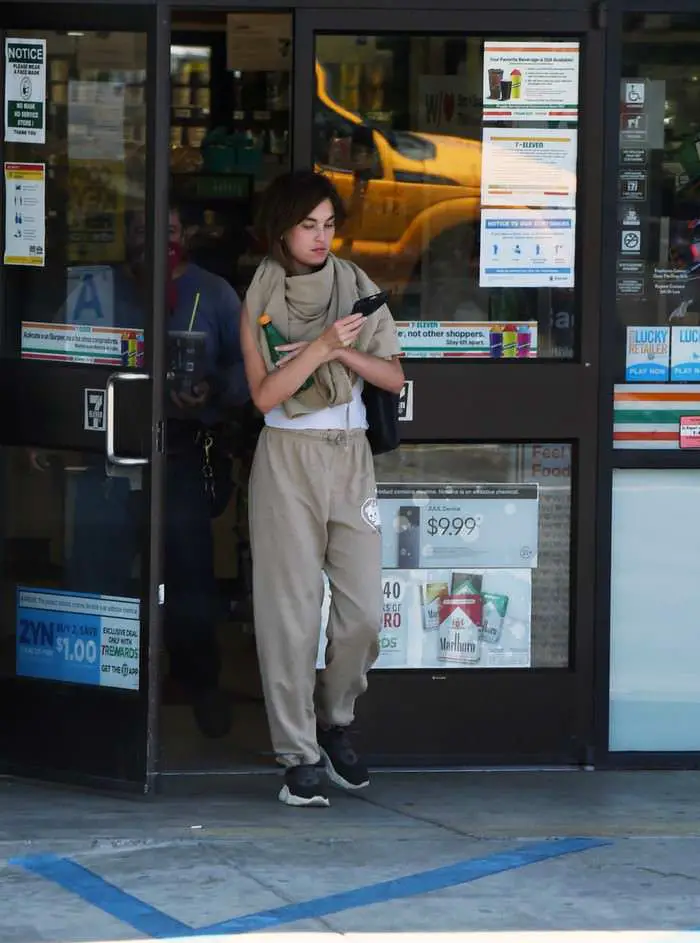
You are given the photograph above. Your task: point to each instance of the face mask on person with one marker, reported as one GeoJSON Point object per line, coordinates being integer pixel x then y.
{"type": "Point", "coordinates": [175, 256]}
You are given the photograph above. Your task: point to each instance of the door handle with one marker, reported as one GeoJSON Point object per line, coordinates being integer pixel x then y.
{"type": "Point", "coordinates": [112, 380]}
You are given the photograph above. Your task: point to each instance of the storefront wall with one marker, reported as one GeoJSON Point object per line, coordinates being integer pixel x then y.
{"type": "Point", "coordinates": [525, 693]}
{"type": "Point", "coordinates": [650, 397]}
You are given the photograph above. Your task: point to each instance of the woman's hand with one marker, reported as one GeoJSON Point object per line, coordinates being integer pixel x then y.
{"type": "Point", "coordinates": [290, 351]}
{"type": "Point", "coordinates": [341, 334]}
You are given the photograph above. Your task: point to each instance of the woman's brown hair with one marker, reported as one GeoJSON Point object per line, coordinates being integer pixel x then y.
{"type": "Point", "coordinates": [288, 201]}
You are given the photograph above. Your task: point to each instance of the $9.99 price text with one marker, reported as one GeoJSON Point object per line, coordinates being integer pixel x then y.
{"type": "Point", "coordinates": [453, 525]}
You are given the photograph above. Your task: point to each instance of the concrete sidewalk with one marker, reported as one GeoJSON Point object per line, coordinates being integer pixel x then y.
{"type": "Point", "coordinates": [468, 852]}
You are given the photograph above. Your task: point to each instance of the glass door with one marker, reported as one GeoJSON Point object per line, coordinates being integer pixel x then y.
{"type": "Point", "coordinates": [82, 299]}
{"type": "Point", "coordinates": [457, 148]}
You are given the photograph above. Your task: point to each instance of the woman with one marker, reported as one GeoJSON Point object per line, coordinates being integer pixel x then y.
{"type": "Point", "coordinates": [313, 504]}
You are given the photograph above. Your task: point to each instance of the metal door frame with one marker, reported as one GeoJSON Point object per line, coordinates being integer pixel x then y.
{"type": "Point", "coordinates": [540, 402]}
{"type": "Point", "coordinates": [610, 458]}
{"type": "Point", "coordinates": [155, 22]}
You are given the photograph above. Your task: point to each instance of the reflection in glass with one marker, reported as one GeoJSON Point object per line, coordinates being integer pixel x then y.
{"type": "Point", "coordinates": [95, 181]}
{"type": "Point", "coordinates": [398, 128]}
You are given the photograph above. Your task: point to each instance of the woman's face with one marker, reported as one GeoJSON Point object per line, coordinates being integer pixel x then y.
{"type": "Point", "coordinates": [309, 242]}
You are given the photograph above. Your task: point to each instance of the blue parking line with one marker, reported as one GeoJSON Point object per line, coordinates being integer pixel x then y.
{"type": "Point", "coordinates": [463, 872]}
{"type": "Point", "coordinates": [100, 893]}
{"type": "Point", "coordinates": [152, 922]}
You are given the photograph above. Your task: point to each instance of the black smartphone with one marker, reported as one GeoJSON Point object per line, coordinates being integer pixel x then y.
{"type": "Point", "coordinates": [370, 304]}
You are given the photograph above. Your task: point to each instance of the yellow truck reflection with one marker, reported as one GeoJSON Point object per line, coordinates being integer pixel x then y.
{"type": "Point", "coordinates": [413, 202]}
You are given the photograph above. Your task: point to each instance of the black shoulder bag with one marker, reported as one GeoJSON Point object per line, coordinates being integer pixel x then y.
{"type": "Point", "coordinates": [382, 419]}
{"type": "Point", "coordinates": [382, 407]}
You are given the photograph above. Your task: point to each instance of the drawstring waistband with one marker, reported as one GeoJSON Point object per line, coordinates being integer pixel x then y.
{"type": "Point", "coordinates": [341, 437]}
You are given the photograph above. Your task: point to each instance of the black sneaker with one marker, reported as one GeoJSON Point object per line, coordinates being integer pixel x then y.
{"type": "Point", "coordinates": [343, 765]}
{"type": "Point", "coordinates": [305, 785]}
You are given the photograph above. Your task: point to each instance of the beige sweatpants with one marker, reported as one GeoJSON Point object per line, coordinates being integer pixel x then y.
{"type": "Point", "coordinates": [313, 507]}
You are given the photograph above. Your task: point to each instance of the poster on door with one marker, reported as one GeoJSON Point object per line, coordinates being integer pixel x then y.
{"type": "Point", "coordinates": [527, 248]}
{"type": "Point", "coordinates": [461, 525]}
{"type": "Point", "coordinates": [492, 340]}
{"type": "Point", "coordinates": [529, 168]}
{"type": "Point", "coordinates": [82, 343]}
{"type": "Point", "coordinates": [446, 619]}
{"type": "Point", "coordinates": [25, 215]}
{"type": "Point", "coordinates": [531, 81]}
{"type": "Point", "coordinates": [81, 638]}
{"type": "Point", "coordinates": [25, 90]}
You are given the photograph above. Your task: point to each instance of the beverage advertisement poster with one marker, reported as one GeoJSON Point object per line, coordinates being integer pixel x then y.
{"type": "Point", "coordinates": [531, 81]}
{"type": "Point", "coordinates": [467, 339]}
{"type": "Point", "coordinates": [527, 248]}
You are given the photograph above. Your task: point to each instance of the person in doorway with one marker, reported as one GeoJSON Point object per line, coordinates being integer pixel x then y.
{"type": "Point", "coordinates": [313, 504]}
{"type": "Point", "coordinates": [108, 500]}
{"type": "Point", "coordinates": [200, 301]}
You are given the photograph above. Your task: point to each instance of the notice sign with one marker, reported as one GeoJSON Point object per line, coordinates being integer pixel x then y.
{"type": "Point", "coordinates": [429, 525]}
{"type": "Point", "coordinates": [536, 168]}
{"type": "Point", "coordinates": [467, 339]}
{"type": "Point", "coordinates": [25, 90]}
{"type": "Point", "coordinates": [689, 432]}
{"type": "Point", "coordinates": [82, 343]}
{"type": "Point", "coordinates": [25, 218]}
{"type": "Point", "coordinates": [648, 354]}
{"type": "Point", "coordinates": [531, 81]}
{"type": "Point", "coordinates": [78, 637]}
{"type": "Point", "coordinates": [527, 249]}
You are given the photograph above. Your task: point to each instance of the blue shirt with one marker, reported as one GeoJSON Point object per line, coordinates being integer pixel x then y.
{"type": "Point", "coordinates": [218, 315]}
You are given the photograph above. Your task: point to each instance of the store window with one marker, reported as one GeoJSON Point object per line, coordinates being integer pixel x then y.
{"type": "Point", "coordinates": [230, 130]}
{"type": "Point", "coordinates": [75, 175]}
{"type": "Point", "coordinates": [654, 641]}
{"type": "Point", "coordinates": [460, 176]}
{"type": "Point", "coordinates": [476, 556]}
{"type": "Point", "coordinates": [657, 258]}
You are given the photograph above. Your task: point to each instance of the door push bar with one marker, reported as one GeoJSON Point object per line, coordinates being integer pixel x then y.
{"type": "Point", "coordinates": [112, 381]}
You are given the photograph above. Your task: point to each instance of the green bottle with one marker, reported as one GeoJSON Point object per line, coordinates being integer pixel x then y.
{"type": "Point", "coordinates": [275, 340]}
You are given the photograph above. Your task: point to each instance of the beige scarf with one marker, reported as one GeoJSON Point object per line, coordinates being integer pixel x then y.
{"type": "Point", "coordinates": [302, 307]}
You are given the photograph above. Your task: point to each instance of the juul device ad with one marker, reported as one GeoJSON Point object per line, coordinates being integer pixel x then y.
{"type": "Point", "coordinates": [457, 563]}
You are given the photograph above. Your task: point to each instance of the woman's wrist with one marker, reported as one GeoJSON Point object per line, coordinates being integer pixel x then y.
{"type": "Point", "coordinates": [321, 349]}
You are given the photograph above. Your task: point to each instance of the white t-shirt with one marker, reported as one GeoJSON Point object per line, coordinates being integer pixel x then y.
{"type": "Point", "coordinates": [352, 415]}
